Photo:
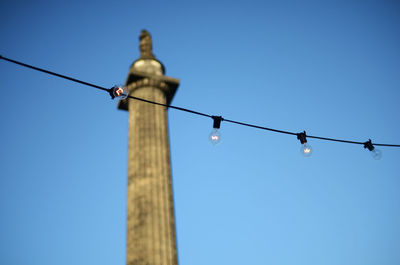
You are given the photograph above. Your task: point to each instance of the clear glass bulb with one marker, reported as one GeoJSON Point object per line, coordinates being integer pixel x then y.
{"type": "Point", "coordinates": [120, 92]}
{"type": "Point", "coordinates": [215, 136]}
{"type": "Point", "coordinates": [306, 150]}
{"type": "Point", "coordinates": [376, 154]}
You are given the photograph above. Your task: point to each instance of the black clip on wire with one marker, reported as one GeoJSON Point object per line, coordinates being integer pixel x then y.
{"type": "Point", "coordinates": [368, 145]}
{"type": "Point", "coordinates": [217, 121]}
{"type": "Point", "coordinates": [302, 137]}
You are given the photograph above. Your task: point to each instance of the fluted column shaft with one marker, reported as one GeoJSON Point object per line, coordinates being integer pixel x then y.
{"type": "Point", "coordinates": [150, 225]}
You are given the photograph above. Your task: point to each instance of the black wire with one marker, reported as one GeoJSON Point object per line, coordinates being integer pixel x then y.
{"type": "Point", "coordinates": [389, 145]}
{"type": "Point", "coordinates": [109, 90]}
{"type": "Point", "coordinates": [335, 140]}
{"type": "Point", "coordinates": [52, 73]}
{"type": "Point", "coordinates": [259, 127]}
{"type": "Point", "coordinates": [308, 136]}
{"type": "Point", "coordinates": [170, 106]}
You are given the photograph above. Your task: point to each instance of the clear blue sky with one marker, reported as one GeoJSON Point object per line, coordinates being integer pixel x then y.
{"type": "Point", "coordinates": [330, 68]}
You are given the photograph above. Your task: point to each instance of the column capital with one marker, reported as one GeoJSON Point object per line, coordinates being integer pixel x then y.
{"type": "Point", "coordinates": [138, 79]}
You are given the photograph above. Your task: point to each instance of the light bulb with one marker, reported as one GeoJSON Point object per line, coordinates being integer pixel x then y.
{"type": "Point", "coordinates": [215, 136]}
{"type": "Point", "coordinates": [306, 150]}
{"type": "Point", "coordinates": [120, 92]}
{"type": "Point", "coordinates": [376, 154]}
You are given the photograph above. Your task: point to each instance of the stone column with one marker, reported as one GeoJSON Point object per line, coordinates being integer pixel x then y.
{"type": "Point", "coordinates": [150, 225]}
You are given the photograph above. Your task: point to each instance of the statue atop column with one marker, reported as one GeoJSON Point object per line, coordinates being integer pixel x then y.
{"type": "Point", "coordinates": [146, 69]}
{"type": "Point", "coordinates": [146, 45]}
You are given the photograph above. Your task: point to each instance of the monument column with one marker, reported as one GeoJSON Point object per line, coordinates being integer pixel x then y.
{"type": "Point", "coordinates": [150, 225]}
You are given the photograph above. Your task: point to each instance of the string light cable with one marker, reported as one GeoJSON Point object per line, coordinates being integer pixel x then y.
{"type": "Point", "coordinates": [121, 92]}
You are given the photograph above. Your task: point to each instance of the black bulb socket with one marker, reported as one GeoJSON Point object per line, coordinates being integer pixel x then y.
{"type": "Point", "coordinates": [217, 121]}
{"type": "Point", "coordinates": [302, 137]}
